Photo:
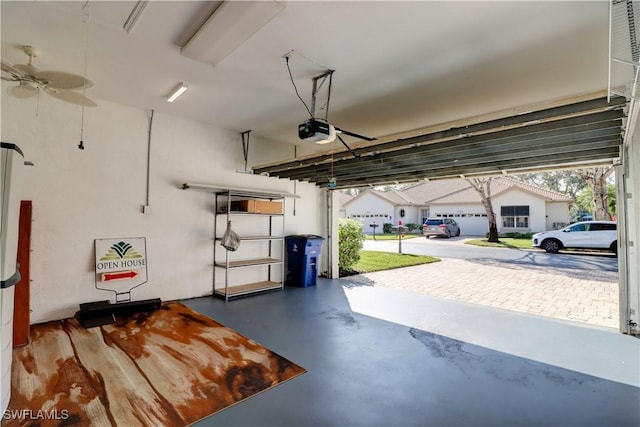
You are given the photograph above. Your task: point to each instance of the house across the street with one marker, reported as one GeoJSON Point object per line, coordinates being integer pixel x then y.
{"type": "Point", "coordinates": [519, 207]}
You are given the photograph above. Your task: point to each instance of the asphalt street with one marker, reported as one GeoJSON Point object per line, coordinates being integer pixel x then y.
{"type": "Point", "coordinates": [455, 247]}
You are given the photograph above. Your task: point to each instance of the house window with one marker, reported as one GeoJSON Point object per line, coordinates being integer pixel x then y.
{"type": "Point", "coordinates": [515, 216]}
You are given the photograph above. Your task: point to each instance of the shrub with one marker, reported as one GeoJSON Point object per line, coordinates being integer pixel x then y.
{"type": "Point", "coordinates": [516, 235]}
{"type": "Point", "coordinates": [412, 227]}
{"type": "Point", "coordinates": [387, 228]}
{"type": "Point", "coordinates": [350, 238]}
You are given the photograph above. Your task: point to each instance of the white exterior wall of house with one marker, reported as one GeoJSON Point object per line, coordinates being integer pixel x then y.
{"type": "Point", "coordinates": [411, 215]}
{"type": "Point", "coordinates": [516, 197]}
{"type": "Point", "coordinates": [557, 215]}
{"type": "Point", "coordinates": [471, 217]}
{"type": "Point", "coordinates": [423, 212]}
{"type": "Point", "coordinates": [367, 208]}
{"type": "Point", "coordinates": [98, 192]}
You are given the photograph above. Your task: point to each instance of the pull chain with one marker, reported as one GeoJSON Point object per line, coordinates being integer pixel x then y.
{"type": "Point", "coordinates": [86, 19]}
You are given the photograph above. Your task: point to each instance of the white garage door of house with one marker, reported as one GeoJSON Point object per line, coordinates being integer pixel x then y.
{"type": "Point", "coordinates": [473, 226]}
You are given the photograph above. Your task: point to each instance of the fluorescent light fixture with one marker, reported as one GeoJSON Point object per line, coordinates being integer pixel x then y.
{"type": "Point", "coordinates": [230, 25]}
{"type": "Point", "coordinates": [176, 92]}
{"type": "Point", "coordinates": [135, 14]}
{"type": "Point", "coordinates": [220, 188]}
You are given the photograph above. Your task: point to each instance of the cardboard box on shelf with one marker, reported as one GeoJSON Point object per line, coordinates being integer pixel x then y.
{"type": "Point", "coordinates": [255, 206]}
{"type": "Point", "coordinates": [267, 206]}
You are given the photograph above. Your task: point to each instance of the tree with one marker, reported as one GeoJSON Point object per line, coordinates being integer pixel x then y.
{"type": "Point", "coordinates": [592, 189]}
{"type": "Point", "coordinates": [566, 181]}
{"type": "Point", "coordinates": [563, 181]}
{"type": "Point", "coordinates": [483, 187]}
{"type": "Point", "coordinates": [584, 201]}
{"type": "Point", "coordinates": [582, 204]}
{"type": "Point", "coordinates": [596, 178]}
{"type": "Point", "coordinates": [353, 191]}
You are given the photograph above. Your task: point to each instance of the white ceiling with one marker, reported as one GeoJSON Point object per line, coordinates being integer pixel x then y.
{"type": "Point", "coordinates": [398, 65]}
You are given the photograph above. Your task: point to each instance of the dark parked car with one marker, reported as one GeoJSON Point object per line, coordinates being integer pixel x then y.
{"type": "Point", "coordinates": [445, 227]}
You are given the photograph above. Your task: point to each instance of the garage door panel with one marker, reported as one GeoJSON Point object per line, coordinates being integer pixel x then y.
{"type": "Point", "coordinates": [473, 226]}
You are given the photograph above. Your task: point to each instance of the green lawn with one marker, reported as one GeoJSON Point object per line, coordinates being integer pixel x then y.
{"type": "Point", "coordinates": [371, 261]}
{"type": "Point", "coordinates": [505, 242]}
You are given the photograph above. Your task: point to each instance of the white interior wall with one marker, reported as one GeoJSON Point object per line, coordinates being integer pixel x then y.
{"type": "Point", "coordinates": [630, 262]}
{"type": "Point", "coordinates": [332, 248]}
{"type": "Point", "coordinates": [82, 195]}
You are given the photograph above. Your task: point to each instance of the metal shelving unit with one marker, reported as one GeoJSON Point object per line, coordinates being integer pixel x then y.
{"type": "Point", "coordinates": [258, 264]}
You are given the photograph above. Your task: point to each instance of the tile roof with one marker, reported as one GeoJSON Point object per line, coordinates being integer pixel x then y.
{"type": "Point", "coordinates": [398, 197]}
{"type": "Point", "coordinates": [503, 184]}
{"type": "Point", "coordinates": [394, 197]}
{"type": "Point", "coordinates": [344, 198]}
{"type": "Point", "coordinates": [424, 192]}
{"type": "Point", "coordinates": [465, 195]}
{"type": "Point", "coordinates": [457, 191]}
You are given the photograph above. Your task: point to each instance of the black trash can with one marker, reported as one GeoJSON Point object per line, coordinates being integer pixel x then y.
{"type": "Point", "coordinates": [303, 258]}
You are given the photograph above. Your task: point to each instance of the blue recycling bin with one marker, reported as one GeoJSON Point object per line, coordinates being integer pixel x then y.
{"type": "Point", "coordinates": [303, 258]}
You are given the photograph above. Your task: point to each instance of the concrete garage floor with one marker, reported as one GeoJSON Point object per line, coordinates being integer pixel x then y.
{"type": "Point", "coordinates": [386, 357]}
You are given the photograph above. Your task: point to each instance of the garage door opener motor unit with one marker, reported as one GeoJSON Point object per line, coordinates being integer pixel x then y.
{"type": "Point", "coordinates": [316, 131]}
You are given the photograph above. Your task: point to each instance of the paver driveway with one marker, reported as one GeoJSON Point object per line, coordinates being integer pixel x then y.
{"type": "Point", "coordinates": [588, 297]}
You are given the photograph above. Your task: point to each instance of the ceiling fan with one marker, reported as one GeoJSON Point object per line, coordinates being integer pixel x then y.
{"type": "Point", "coordinates": [58, 84]}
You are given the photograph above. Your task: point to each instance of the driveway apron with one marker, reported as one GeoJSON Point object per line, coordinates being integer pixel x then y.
{"type": "Point", "coordinates": [591, 298]}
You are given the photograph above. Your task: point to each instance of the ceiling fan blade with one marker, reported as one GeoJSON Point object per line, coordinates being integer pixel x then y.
{"type": "Point", "coordinates": [26, 69]}
{"type": "Point", "coordinates": [24, 91]}
{"type": "Point", "coordinates": [62, 80]}
{"type": "Point", "coordinates": [8, 68]}
{"type": "Point", "coordinates": [73, 98]}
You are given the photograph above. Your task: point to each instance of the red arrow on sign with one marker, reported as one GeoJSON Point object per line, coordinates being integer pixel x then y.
{"type": "Point", "coordinates": [119, 275]}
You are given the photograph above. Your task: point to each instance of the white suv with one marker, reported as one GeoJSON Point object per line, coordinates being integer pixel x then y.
{"type": "Point", "coordinates": [583, 235]}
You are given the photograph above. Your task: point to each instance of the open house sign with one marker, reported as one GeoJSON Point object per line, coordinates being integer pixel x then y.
{"type": "Point", "coordinates": [121, 264]}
